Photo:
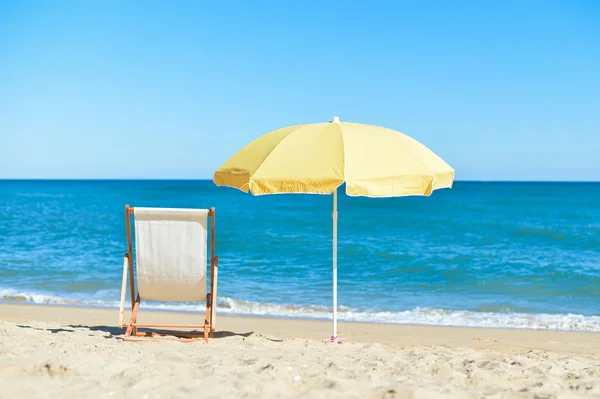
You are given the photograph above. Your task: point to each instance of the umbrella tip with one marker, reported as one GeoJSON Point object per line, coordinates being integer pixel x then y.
{"type": "Point", "coordinates": [335, 119]}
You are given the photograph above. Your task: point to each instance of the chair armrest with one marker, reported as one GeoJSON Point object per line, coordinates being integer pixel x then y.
{"type": "Point", "coordinates": [123, 289]}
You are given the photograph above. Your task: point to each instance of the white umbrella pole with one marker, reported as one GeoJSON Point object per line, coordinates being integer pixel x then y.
{"type": "Point", "coordinates": [335, 217]}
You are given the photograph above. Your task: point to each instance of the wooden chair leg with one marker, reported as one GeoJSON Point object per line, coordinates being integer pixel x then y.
{"type": "Point", "coordinates": [207, 316]}
{"type": "Point", "coordinates": [135, 313]}
{"type": "Point", "coordinates": [131, 328]}
{"type": "Point", "coordinates": [131, 334]}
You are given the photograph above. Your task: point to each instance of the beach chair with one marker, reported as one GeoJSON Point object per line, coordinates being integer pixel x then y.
{"type": "Point", "coordinates": [171, 266]}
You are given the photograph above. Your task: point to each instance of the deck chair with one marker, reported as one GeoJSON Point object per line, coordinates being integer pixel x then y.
{"type": "Point", "coordinates": [171, 246]}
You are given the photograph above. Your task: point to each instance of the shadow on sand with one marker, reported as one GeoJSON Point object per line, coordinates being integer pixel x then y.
{"type": "Point", "coordinates": [117, 333]}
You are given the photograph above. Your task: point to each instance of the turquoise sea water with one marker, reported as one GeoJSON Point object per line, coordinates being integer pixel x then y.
{"type": "Point", "coordinates": [481, 254]}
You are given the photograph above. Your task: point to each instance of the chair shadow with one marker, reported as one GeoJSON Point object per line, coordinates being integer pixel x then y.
{"type": "Point", "coordinates": [113, 332]}
{"type": "Point", "coordinates": [118, 333]}
{"type": "Point", "coordinates": [216, 334]}
{"type": "Point", "coordinates": [52, 330]}
{"type": "Point", "coordinates": [225, 334]}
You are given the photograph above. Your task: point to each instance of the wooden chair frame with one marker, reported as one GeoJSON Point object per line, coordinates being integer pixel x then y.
{"type": "Point", "coordinates": [132, 333]}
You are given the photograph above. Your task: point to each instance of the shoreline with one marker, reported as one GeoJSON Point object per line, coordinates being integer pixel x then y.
{"type": "Point", "coordinates": [583, 343]}
{"type": "Point", "coordinates": [308, 318]}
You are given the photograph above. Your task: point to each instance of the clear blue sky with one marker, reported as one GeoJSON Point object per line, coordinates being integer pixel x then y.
{"type": "Point", "coordinates": [505, 90]}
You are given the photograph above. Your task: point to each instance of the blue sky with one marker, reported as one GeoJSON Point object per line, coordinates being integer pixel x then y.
{"type": "Point", "coordinates": [504, 90]}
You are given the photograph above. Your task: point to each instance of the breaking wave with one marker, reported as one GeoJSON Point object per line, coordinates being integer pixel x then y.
{"type": "Point", "coordinates": [420, 316]}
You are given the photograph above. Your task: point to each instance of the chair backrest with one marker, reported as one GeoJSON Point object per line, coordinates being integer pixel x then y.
{"type": "Point", "coordinates": [170, 248]}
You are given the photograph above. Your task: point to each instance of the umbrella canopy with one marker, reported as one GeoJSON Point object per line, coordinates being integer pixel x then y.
{"type": "Point", "coordinates": [317, 158]}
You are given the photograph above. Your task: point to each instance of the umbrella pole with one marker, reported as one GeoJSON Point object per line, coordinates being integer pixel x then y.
{"type": "Point", "coordinates": [334, 338]}
{"type": "Point", "coordinates": [335, 217]}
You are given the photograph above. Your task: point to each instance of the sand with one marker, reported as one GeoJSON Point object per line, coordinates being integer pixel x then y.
{"type": "Point", "coordinates": [52, 351]}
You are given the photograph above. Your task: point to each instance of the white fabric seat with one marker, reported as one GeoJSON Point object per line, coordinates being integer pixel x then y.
{"type": "Point", "coordinates": [170, 249]}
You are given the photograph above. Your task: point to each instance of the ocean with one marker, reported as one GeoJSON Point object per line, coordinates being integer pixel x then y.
{"type": "Point", "coordinates": [501, 254]}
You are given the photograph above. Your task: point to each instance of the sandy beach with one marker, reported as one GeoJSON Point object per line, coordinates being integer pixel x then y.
{"type": "Point", "coordinates": [53, 351]}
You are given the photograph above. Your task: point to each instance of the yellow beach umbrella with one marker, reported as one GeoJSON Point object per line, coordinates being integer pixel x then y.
{"type": "Point", "coordinates": [317, 158]}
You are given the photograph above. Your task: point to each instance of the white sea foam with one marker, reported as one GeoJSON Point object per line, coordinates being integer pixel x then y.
{"type": "Point", "coordinates": [15, 295]}
{"type": "Point", "coordinates": [422, 316]}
